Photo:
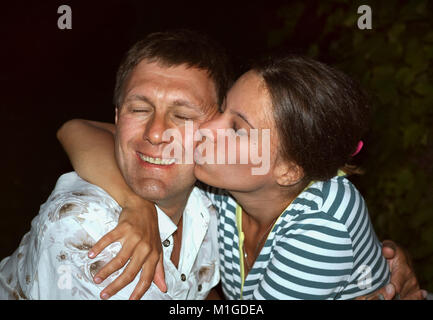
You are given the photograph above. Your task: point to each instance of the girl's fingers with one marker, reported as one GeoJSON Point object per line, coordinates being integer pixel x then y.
{"type": "Point", "coordinates": [127, 276]}
{"type": "Point", "coordinates": [147, 274]}
{"type": "Point", "coordinates": [116, 263]}
{"type": "Point", "coordinates": [159, 277]}
{"type": "Point", "coordinates": [104, 242]}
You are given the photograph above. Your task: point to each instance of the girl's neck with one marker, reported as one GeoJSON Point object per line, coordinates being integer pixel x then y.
{"type": "Point", "coordinates": [266, 204]}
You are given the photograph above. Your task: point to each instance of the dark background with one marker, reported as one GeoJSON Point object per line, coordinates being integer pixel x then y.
{"type": "Point", "coordinates": [49, 76]}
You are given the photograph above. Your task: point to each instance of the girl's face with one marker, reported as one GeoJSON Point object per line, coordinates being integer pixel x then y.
{"type": "Point", "coordinates": [239, 146]}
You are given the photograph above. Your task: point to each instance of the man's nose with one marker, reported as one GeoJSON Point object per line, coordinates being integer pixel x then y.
{"type": "Point", "coordinates": [155, 129]}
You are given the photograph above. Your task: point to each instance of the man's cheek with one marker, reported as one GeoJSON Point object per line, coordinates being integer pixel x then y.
{"type": "Point", "coordinates": [188, 143]}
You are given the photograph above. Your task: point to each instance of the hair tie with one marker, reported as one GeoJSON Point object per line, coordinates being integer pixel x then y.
{"type": "Point", "coordinates": [358, 148]}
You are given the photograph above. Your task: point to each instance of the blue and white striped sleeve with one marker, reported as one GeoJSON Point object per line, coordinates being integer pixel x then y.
{"type": "Point", "coordinates": [313, 259]}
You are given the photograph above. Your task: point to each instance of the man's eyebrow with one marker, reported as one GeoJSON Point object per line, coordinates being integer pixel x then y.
{"type": "Point", "coordinates": [140, 98]}
{"type": "Point", "coordinates": [240, 115]}
{"type": "Point", "coordinates": [175, 103]}
{"type": "Point", "coordinates": [186, 103]}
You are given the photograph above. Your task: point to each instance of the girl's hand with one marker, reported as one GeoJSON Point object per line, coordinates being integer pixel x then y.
{"type": "Point", "coordinates": [141, 246]}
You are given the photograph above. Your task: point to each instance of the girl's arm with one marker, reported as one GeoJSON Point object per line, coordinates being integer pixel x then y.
{"type": "Point", "coordinates": [90, 148]}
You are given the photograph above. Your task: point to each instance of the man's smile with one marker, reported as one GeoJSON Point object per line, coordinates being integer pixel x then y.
{"type": "Point", "coordinates": [155, 160]}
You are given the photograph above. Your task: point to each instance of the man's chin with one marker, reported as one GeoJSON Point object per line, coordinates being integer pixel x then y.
{"type": "Point", "coordinates": [150, 190]}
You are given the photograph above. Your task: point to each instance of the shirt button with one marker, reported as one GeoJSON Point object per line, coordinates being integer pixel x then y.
{"type": "Point", "coordinates": [183, 277]}
{"type": "Point", "coordinates": [166, 243]}
{"type": "Point", "coordinates": [199, 287]}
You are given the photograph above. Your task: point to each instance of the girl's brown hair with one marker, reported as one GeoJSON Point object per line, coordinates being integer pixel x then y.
{"type": "Point", "coordinates": [320, 113]}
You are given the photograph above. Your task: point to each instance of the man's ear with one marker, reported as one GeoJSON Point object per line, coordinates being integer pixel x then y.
{"type": "Point", "coordinates": [288, 173]}
{"type": "Point", "coordinates": [116, 115]}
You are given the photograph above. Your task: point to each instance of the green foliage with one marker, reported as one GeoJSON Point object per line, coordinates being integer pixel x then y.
{"type": "Point", "coordinates": [394, 63]}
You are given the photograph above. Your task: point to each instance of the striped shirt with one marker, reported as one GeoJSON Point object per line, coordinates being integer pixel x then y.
{"type": "Point", "coordinates": [322, 246]}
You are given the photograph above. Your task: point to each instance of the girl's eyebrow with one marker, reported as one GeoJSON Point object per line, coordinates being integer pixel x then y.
{"type": "Point", "coordinates": [240, 115]}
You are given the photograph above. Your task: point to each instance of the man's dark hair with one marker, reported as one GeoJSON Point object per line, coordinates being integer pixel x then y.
{"type": "Point", "coordinates": [320, 113]}
{"type": "Point", "coordinates": [174, 48]}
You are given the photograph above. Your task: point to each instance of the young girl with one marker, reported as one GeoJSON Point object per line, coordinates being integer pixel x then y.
{"type": "Point", "coordinates": [301, 230]}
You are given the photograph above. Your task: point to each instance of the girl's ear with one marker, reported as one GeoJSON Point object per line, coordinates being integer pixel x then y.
{"type": "Point", "coordinates": [116, 115]}
{"type": "Point", "coordinates": [288, 173]}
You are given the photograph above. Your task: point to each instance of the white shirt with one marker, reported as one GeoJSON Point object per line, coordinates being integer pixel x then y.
{"type": "Point", "coordinates": [51, 261]}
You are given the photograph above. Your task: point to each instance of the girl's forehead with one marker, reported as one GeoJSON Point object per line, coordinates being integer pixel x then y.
{"type": "Point", "coordinates": [249, 96]}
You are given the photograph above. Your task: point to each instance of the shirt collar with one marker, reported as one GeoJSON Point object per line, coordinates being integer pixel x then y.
{"type": "Point", "coordinates": [196, 212]}
{"type": "Point", "coordinates": [165, 224]}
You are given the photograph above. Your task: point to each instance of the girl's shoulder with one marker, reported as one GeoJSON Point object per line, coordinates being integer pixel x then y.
{"type": "Point", "coordinates": [335, 199]}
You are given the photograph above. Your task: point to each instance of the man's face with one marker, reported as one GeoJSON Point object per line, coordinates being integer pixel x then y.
{"type": "Point", "coordinates": [158, 98]}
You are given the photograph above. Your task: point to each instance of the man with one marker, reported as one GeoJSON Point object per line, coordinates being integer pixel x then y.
{"type": "Point", "coordinates": [163, 79]}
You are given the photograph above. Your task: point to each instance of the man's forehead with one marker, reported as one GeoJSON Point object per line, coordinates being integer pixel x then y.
{"type": "Point", "coordinates": [177, 83]}
{"type": "Point", "coordinates": [180, 75]}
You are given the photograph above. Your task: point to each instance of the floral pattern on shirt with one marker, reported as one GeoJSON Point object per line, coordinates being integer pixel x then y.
{"type": "Point", "coordinates": [51, 261]}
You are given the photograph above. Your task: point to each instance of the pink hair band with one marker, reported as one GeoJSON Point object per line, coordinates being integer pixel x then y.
{"type": "Point", "coordinates": [358, 148]}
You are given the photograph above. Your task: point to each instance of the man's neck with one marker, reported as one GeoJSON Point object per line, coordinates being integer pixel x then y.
{"type": "Point", "coordinates": [174, 207]}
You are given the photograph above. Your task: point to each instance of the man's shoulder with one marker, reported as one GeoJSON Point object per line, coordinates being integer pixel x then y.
{"type": "Point", "coordinates": [75, 216]}
{"type": "Point", "coordinates": [199, 200]}
{"type": "Point", "coordinates": [200, 196]}
{"type": "Point", "coordinates": [76, 200]}
{"type": "Point", "coordinates": [70, 184]}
